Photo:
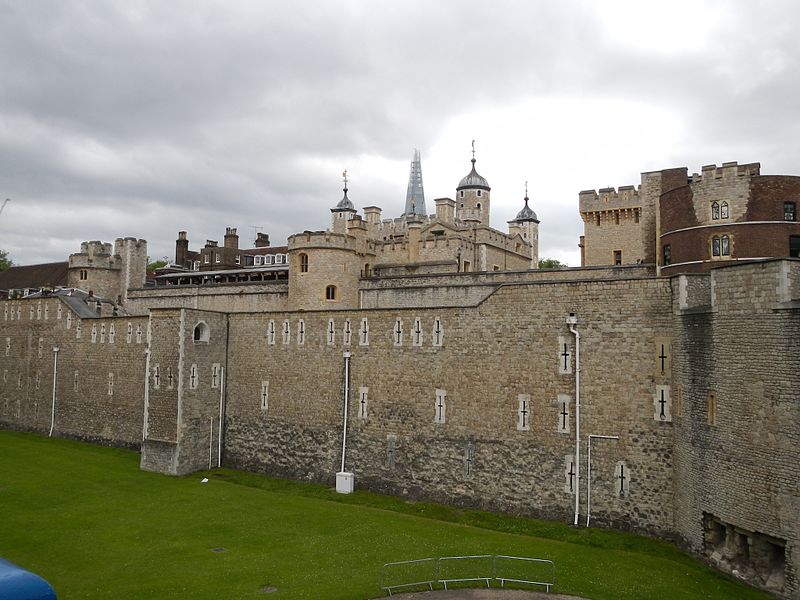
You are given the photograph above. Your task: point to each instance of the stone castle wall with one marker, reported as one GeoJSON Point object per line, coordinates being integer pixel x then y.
{"type": "Point", "coordinates": [227, 297]}
{"type": "Point", "coordinates": [472, 405]}
{"type": "Point", "coordinates": [737, 420]}
{"type": "Point", "coordinates": [510, 346]}
{"type": "Point", "coordinates": [101, 372]}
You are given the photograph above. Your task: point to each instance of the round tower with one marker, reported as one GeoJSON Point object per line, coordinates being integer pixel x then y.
{"type": "Point", "coordinates": [527, 225]}
{"type": "Point", "coordinates": [472, 197]}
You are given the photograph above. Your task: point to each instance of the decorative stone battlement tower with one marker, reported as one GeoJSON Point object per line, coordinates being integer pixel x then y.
{"type": "Point", "coordinates": [109, 274]}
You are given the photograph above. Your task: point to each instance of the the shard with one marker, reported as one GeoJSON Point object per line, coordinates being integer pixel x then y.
{"type": "Point", "coordinates": [415, 196]}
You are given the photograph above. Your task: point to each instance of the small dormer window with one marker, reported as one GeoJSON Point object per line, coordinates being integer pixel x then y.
{"type": "Point", "coordinates": [268, 260]}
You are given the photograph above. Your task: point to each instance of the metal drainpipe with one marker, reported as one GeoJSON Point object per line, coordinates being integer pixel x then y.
{"type": "Point", "coordinates": [146, 390]}
{"type": "Point", "coordinates": [55, 379]}
{"type": "Point", "coordinates": [572, 321]}
{"type": "Point", "coordinates": [346, 356]}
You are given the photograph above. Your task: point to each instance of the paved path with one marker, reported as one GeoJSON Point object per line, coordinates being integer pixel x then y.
{"type": "Point", "coordinates": [481, 594]}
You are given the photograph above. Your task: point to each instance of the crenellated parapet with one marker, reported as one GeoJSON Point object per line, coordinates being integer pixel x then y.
{"type": "Point", "coordinates": [605, 199]}
{"type": "Point", "coordinates": [711, 173]}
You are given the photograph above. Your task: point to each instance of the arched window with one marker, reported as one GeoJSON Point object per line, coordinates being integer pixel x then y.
{"type": "Point", "coordinates": [330, 292]}
{"type": "Point", "coordinates": [725, 244]}
{"type": "Point", "coordinates": [715, 246]}
{"type": "Point", "coordinates": [715, 211]}
{"type": "Point", "coordinates": [479, 206]}
{"type": "Point", "coordinates": [202, 332]}
{"type": "Point", "coordinates": [723, 210]}
{"type": "Point", "coordinates": [303, 262]}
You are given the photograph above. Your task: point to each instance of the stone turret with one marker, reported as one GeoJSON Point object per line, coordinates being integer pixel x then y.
{"type": "Point", "coordinates": [527, 225]}
{"type": "Point", "coordinates": [472, 197]}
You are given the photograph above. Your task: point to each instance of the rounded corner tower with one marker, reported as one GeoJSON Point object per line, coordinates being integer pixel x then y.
{"type": "Point", "coordinates": [472, 197]}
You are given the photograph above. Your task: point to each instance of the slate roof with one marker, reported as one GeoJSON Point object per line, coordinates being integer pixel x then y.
{"type": "Point", "coordinates": [34, 276]}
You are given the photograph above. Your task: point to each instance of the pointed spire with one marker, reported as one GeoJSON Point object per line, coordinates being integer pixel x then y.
{"type": "Point", "coordinates": [415, 196]}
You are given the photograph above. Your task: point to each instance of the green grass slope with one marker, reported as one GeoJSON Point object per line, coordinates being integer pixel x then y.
{"type": "Point", "coordinates": [86, 519]}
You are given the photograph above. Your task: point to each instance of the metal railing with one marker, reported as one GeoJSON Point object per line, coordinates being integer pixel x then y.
{"type": "Point", "coordinates": [467, 569]}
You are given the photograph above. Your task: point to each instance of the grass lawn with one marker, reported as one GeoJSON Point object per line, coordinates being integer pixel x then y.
{"type": "Point", "coordinates": [86, 519]}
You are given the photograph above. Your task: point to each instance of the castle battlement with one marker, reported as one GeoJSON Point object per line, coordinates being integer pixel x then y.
{"type": "Point", "coordinates": [728, 169]}
{"type": "Point", "coordinates": [605, 199]}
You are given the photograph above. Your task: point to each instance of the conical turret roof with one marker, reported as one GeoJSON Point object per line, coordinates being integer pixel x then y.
{"type": "Point", "coordinates": [526, 214]}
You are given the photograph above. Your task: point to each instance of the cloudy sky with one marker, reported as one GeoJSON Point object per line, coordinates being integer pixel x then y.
{"type": "Point", "coordinates": [132, 118]}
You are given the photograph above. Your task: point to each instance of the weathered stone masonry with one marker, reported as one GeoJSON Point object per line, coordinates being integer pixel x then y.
{"type": "Point", "coordinates": [697, 375]}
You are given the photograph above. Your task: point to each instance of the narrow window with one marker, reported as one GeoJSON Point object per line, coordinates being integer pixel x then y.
{"type": "Point", "coordinates": [597, 219]}
{"type": "Point", "coordinates": [112, 333]}
{"type": "Point", "coordinates": [301, 332]}
{"type": "Point", "coordinates": [715, 211]}
{"type": "Point", "coordinates": [363, 393]}
{"type": "Point", "coordinates": [417, 331]}
{"type": "Point", "coordinates": [467, 266]}
{"type": "Point", "coordinates": [563, 413]}
{"type": "Point", "coordinates": [94, 334]}
{"type": "Point", "coordinates": [712, 408]}
{"type": "Point", "coordinates": [206, 259]}
{"type": "Point", "coordinates": [139, 334]}
{"type": "Point", "coordinates": [363, 339]}
{"type": "Point", "coordinates": [304, 263]}
{"type": "Point", "coordinates": [271, 333]}
{"type": "Point", "coordinates": [330, 292]}
{"type": "Point", "coordinates": [469, 459]}
{"type": "Point", "coordinates": [725, 245]}
{"type": "Point", "coordinates": [111, 384]}
{"type": "Point", "coordinates": [723, 210]}
{"type": "Point", "coordinates": [103, 333]}
{"type": "Point", "coordinates": [438, 332]}
{"type": "Point", "coordinates": [286, 333]}
{"type": "Point", "coordinates": [84, 274]}
{"type": "Point", "coordinates": [397, 332]}
{"type": "Point", "coordinates": [479, 195]}
{"type": "Point", "coordinates": [622, 478]}
{"type": "Point", "coordinates": [41, 347]}
{"type": "Point", "coordinates": [156, 377]}
{"type": "Point", "coordinates": [440, 406]}
{"type": "Point", "coordinates": [569, 474]}
{"type": "Point", "coordinates": [331, 332]}
{"type": "Point", "coordinates": [193, 378]}
{"type": "Point", "coordinates": [238, 259]}
{"type": "Point", "coordinates": [217, 257]}
{"type": "Point", "coordinates": [75, 381]}
{"type": "Point", "coordinates": [662, 404]}
{"type": "Point", "coordinates": [346, 333]}
{"type": "Point", "coordinates": [391, 449]}
{"type": "Point", "coordinates": [715, 246]}
{"type": "Point", "coordinates": [523, 412]}
{"type": "Point", "coordinates": [617, 257]}
{"type": "Point", "coordinates": [129, 334]}
{"type": "Point", "coordinates": [794, 246]}
{"type": "Point", "coordinates": [666, 255]}
{"type": "Point", "coordinates": [169, 378]}
{"type": "Point", "coordinates": [789, 211]}
{"type": "Point", "coordinates": [616, 217]}
{"type": "Point", "coordinates": [264, 395]}
{"type": "Point", "coordinates": [216, 375]}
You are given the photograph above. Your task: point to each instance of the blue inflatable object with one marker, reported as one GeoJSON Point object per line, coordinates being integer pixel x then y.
{"type": "Point", "coordinates": [18, 584]}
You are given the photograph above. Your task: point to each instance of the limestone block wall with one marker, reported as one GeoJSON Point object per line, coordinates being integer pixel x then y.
{"type": "Point", "coordinates": [247, 297]}
{"type": "Point", "coordinates": [186, 387]}
{"type": "Point", "coordinates": [729, 183]}
{"type": "Point", "coordinates": [737, 417]}
{"type": "Point", "coordinates": [476, 409]}
{"type": "Point", "coordinates": [100, 372]}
